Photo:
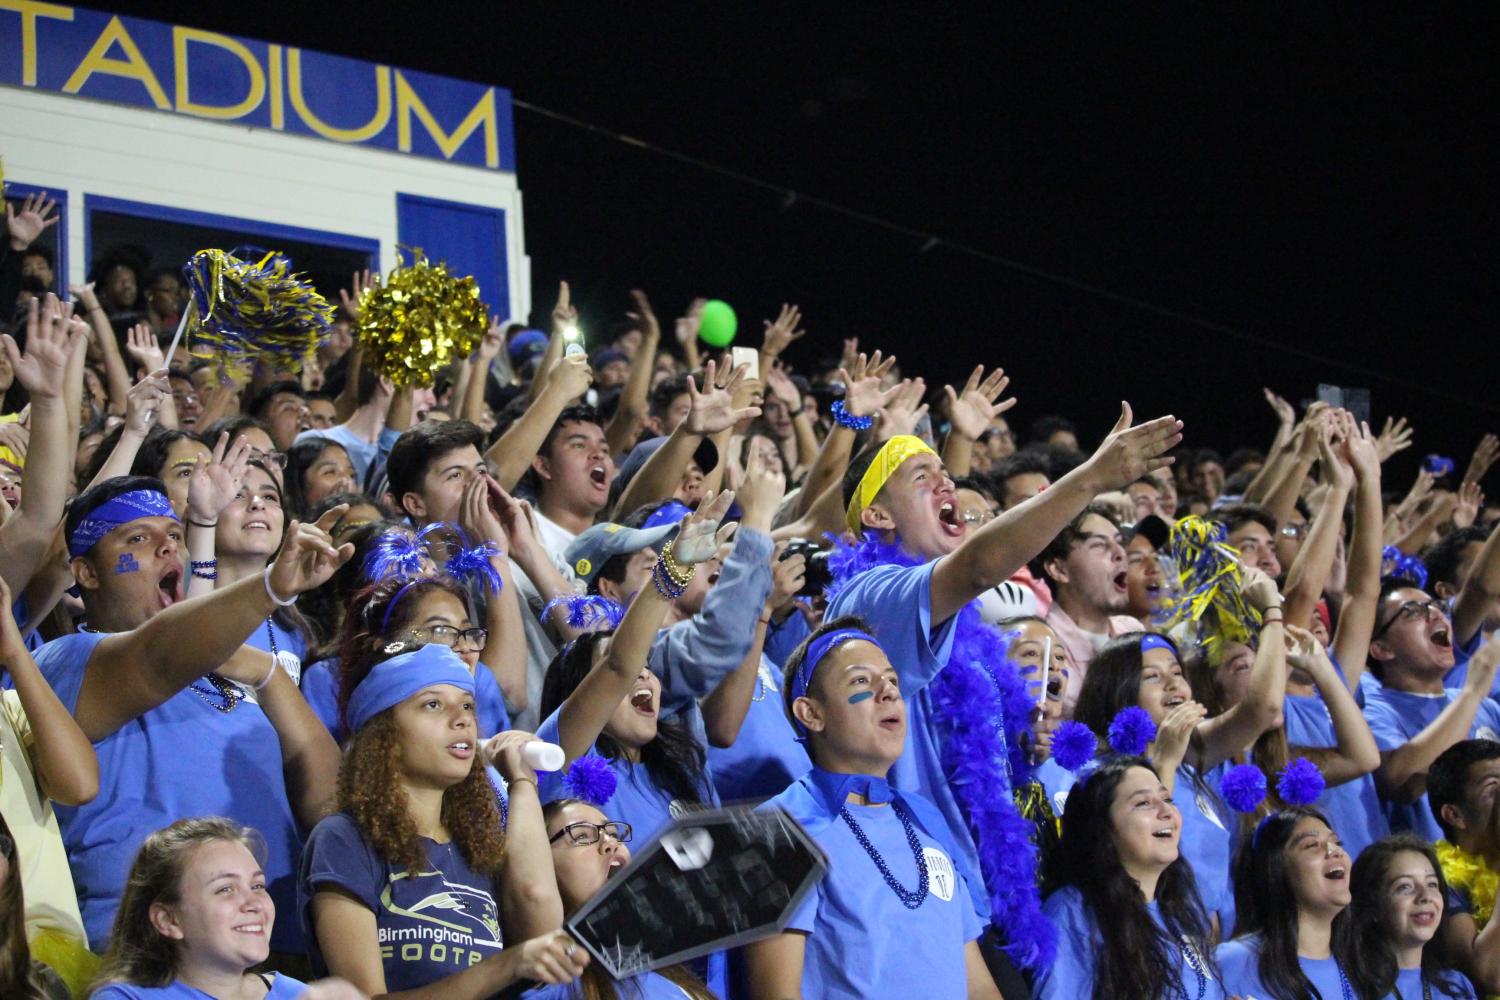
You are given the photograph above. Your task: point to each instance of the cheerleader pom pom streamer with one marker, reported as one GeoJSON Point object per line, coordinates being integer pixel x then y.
{"type": "Point", "coordinates": [418, 320]}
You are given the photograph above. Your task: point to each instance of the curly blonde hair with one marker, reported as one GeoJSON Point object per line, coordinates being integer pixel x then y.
{"type": "Point", "coordinates": [370, 791]}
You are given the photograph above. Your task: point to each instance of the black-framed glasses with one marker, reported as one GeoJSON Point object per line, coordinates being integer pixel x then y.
{"type": "Point", "coordinates": [1410, 611]}
{"type": "Point", "coordinates": [446, 635]}
{"type": "Point", "coordinates": [274, 459]}
{"type": "Point", "coordinates": [586, 834]}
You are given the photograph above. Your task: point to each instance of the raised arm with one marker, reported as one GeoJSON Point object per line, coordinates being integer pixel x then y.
{"type": "Point", "coordinates": [1309, 571]}
{"type": "Point", "coordinates": [142, 408]}
{"type": "Point", "coordinates": [66, 768]}
{"type": "Point", "coordinates": [970, 414]}
{"type": "Point", "coordinates": [132, 672]}
{"type": "Point", "coordinates": [711, 412]}
{"type": "Point", "coordinates": [116, 378]}
{"type": "Point", "coordinates": [52, 337]}
{"type": "Point", "coordinates": [504, 652]}
{"type": "Point", "coordinates": [564, 317]}
{"type": "Point", "coordinates": [625, 425]}
{"type": "Point", "coordinates": [779, 383]}
{"type": "Point", "coordinates": [212, 487]}
{"type": "Point", "coordinates": [529, 900]}
{"type": "Point", "coordinates": [1281, 497]}
{"type": "Point", "coordinates": [863, 397]}
{"type": "Point", "coordinates": [511, 455]}
{"type": "Point", "coordinates": [1354, 754]}
{"type": "Point", "coordinates": [1351, 642]}
{"type": "Point", "coordinates": [1004, 545]}
{"type": "Point", "coordinates": [472, 399]}
{"type": "Point", "coordinates": [1233, 731]}
{"type": "Point", "coordinates": [692, 657]}
{"type": "Point", "coordinates": [1402, 775]}
{"type": "Point", "coordinates": [1478, 593]}
{"type": "Point", "coordinates": [585, 712]}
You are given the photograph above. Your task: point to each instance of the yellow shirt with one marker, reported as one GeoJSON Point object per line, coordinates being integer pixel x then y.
{"type": "Point", "coordinates": [53, 925]}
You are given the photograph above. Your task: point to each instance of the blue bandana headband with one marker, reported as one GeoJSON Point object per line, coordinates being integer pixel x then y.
{"type": "Point", "coordinates": [114, 512]}
{"type": "Point", "coordinates": [671, 512]}
{"type": "Point", "coordinates": [816, 650]}
{"type": "Point", "coordinates": [393, 681]}
{"type": "Point", "coordinates": [1152, 641]}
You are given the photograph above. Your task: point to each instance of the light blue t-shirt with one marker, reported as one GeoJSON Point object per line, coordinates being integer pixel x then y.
{"type": "Point", "coordinates": [184, 757]}
{"type": "Point", "coordinates": [897, 603]}
{"type": "Point", "coordinates": [320, 686]}
{"type": "Point", "coordinates": [863, 941]}
{"type": "Point", "coordinates": [291, 647]}
{"type": "Point", "coordinates": [1072, 974]}
{"type": "Point", "coordinates": [1058, 781]}
{"type": "Point", "coordinates": [1353, 808]}
{"type": "Point", "coordinates": [1409, 985]}
{"type": "Point", "coordinates": [765, 758]}
{"type": "Point", "coordinates": [1208, 835]}
{"type": "Point", "coordinates": [1397, 716]}
{"type": "Point", "coordinates": [282, 988]}
{"type": "Point", "coordinates": [637, 799]}
{"type": "Point", "coordinates": [1238, 961]}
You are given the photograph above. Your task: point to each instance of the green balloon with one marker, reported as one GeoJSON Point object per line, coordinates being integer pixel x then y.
{"type": "Point", "coordinates": [717, 323]}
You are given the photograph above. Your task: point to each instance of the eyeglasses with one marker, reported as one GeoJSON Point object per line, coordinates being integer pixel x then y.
{"type": "Point", "coordinates": [1293, 530]}
{"type": "Point", "coordinates": [446, 635]}
{"type": "Point", "coordinates": [974, 518]}
{"type": "Point", "coordinates": [1410, 611]}
{"type": "Point", "coordinates": [274, 459]}
{"type": "Point", "coordinates": [584, 834]}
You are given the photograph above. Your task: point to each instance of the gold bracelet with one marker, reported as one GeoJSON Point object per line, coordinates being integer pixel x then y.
{"type": "Point", "coordinates": [680, 575]}
{"type": "Point", "coordinates": [523, 781]}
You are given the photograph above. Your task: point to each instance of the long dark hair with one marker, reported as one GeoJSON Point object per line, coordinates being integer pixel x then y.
{"type": "Point", "coordinates": [15, 957]}
{"type": "Point", "coordinates": [1137, 959]}
{"type": "Point", "coordinates": [1113, 682]}
{"type": "Point", "coordinates": [299, 458]}
{"type": "Point", "coordinates": [1264, 906]}
{"type": "Point", "coordinates": [674, 760]}
{"type": "Point", "coordinates": [289, 618]}
{"type": "Point", "coordinates": [1372, 966]}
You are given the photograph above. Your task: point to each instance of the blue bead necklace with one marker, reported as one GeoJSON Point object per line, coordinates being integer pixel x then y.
{"type": "Point", "coordinates": [909, 899]}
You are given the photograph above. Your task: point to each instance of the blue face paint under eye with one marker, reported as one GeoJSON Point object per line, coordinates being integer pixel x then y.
{"type": "Point", "coordinates": [127, 564]}
{"type": "Point", "coordinates": [855, 699]}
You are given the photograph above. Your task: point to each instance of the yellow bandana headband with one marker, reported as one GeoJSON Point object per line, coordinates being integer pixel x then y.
{"type": "Point", "coordinates": [895, 451]}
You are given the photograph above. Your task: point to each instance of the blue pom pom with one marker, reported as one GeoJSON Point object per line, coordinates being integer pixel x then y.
{"type": "Point", "coordinates": [1243, 788]}
{"type": "Point", "coordinates": [1073, 745]}
{"type": "Point", "coordinates": [474, 563]}
{"type": "Point", "coordinates": [1301, 783]}
{"type": "Point", "coordinates": [1131, 731]}
{"type": "Point", "coordinates": [591, 613]}
{"type": "Point", "coordinates": [396, 553]}
{"type": "Point", "coordinates": [592, 780]}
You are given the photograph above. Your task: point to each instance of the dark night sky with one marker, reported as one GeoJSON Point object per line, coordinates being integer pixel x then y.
{"type": "Point", "coordinates": [1313, 178]}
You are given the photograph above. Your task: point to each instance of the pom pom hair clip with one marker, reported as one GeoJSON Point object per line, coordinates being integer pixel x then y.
{"type": "Point", "coordinates": [1300, 784]}
{"type": "Point", "coordinates": [1243, 788]}
{"type": "Point", "coordinates": [592, 780]}
{"type": "Point", "coordinates": [1131, 731]}
{"type": "Point", "coordinates": [1073, 745]}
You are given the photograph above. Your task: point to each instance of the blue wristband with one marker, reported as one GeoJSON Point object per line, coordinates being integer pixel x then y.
{"type": "Point", "coordinates": [844, 418]}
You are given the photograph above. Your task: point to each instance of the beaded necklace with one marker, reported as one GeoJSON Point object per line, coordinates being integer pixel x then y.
{"type": "Point", "coordinates": [909, 898]}
{"type": "Point", "coordinates": [224, 696]}
{"type": "Point", "coordinates": [1196, 964]}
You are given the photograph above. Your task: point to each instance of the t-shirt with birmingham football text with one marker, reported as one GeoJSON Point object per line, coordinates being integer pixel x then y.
{"type": "Point", "coordinates": [430, 923]}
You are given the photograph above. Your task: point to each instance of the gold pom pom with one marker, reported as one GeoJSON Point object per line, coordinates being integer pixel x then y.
{"type": "Point", "coordinates": [420, 319]}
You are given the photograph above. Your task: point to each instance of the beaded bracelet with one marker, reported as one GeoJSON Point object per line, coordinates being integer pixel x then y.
{"type": "Point", "coordinates": [664, 586]}
{"type": "Point", "coordinates": [844, 418]}
{"type": "Point", "coordinates": [680, 575]}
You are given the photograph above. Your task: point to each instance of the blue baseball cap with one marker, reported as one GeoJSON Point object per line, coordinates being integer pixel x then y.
{"type": "Point", "coordinates": [526, 345]}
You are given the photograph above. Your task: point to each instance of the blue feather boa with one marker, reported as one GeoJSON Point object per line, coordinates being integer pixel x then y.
{"type": "Point", "coordinates": [983, 710]}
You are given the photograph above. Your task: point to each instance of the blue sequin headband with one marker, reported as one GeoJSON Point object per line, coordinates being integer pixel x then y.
{"type": "Point", "coordinates": [816, 650]}
{"type": "Point", "coordinates": [114, 512]}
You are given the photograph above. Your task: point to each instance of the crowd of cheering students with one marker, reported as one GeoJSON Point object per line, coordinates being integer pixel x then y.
{"type": "Point", "coordinates": [273, 650]}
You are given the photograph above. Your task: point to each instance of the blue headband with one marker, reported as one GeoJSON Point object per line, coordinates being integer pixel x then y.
{"type": "Point", "coordinates": [670, 512]}
{"type": "Point", "coordinates": [114, 512]}
{"type": "Point", "coordinates": [1152, 641]}
{"type": "Point", "coordinates": [816, 650]}
{"type": "Point", "coordinates": [393, 681]}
